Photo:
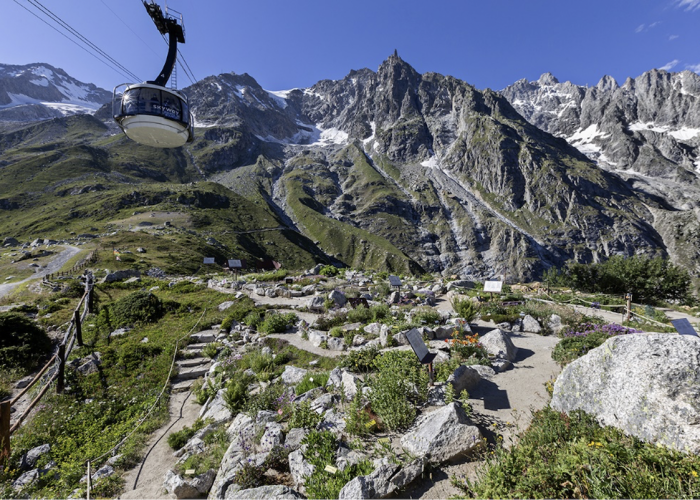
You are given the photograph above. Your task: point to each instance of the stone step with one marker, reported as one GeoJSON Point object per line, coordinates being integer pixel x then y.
{"type": "Point", "coordinates": [193, 372]}
{"type": "Point", "coordinates": [205, 336]}
{"type": "Point", "coordinates": [182, 386]}
{"type": "Point", "coordinates": [197, 347]}
{"type": "Point", "coordinates": [186, 363]}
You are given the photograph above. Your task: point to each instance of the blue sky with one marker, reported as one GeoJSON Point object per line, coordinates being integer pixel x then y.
{"type": "Point", "coordinates": [285, 44]}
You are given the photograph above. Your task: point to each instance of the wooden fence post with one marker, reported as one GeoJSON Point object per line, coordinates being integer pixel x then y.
{"type": "Point", "coordinates": [4, 430]}
{"type": "Point", "coordinates": [78, 329]}
{"type": "Point", "coordinates": [61, 360]}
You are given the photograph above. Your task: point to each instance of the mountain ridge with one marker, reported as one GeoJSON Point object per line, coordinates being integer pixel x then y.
{"type": "Point", "coordinates": [451, 178]}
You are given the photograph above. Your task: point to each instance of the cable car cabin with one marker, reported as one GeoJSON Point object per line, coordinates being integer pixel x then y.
{"type": "Point", "coordinates": [153, 115]}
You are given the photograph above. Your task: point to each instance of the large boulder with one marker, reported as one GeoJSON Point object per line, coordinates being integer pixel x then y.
{"type": "Point", "coordinates": [464, 378]}
{"type": "Point", "coordinates": [338, 297]}
{"type": "Point", "coordinates": [647, 385]}
{"type": "Point", "coordinates": [498, 343]}
{"type": "Point", "coordinates": [29, 460]}
{"type": "Point", "coordinates": [122, 275]}
{"type": "Point", "coordinates": [196, 487]}
{"type": "Point", "coordinates": [442, 435]}
{"type": "Point", "coordinates": [530, 324]}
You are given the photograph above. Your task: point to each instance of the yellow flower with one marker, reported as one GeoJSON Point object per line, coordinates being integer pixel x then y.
{"type": "Point", "coordinates": [694, 474]}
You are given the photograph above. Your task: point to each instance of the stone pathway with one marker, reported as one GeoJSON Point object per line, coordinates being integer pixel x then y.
{"type": "Point", "coordinates": [146, 480]}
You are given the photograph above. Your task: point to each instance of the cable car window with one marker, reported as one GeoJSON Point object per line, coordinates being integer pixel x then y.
{"type": "Point", "coordinates": [171, 107]}
{"type": "Point", "coordinates": [130, 102]}
{"type": "Point", "coordinates": [185, 112]}
{"type": "Point", "coordinates": [151, 100]}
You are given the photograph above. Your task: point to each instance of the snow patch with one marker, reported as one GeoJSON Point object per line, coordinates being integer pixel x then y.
{"type": "Point", "coordinates": [432, 162]}
{"type": "Point", "coordinates": [682, 134]}
{"type": "Point", "coordinates": [42, 83]}
{"type": "Point", "coordinates": [279, 96]}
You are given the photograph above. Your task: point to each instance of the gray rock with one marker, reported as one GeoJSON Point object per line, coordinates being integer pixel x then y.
{"type": "Point", "coordinates": [498, 343]}
{"type": "Point", "coordinates": [647, 385]}
{"type": "Point", "coordinates": [335, 343]}
{"type": "Point", "coordinates": [554, 323]}
{"type": "Point", "coordinates": [90, 364]}
{"type": "Point", "coordinates": [323, 402]}
{"type": "Point", "coordinates": [358, 487]}
{"type": "Point", "coordinates": [350, 382]}
{"type": "Point", "coordinates": [225, 305]}
{"type": "Point", "coordinates": [276, 492]}
{"type": "Point", "coordinates": [29, 460]}
{"type": "Point", "coordinates": [26, 479]}
{"type": "Point", "coordinates": [299, 468]}
{"type": "Point", "coordinates": [531, 325]}
{"type": "Point", "coordinates": [335, 378]}
{"type": "Point", "coordinates": [338, 297]}
{"type": "Point", "coordinates": [272, 437]}
{"type": "Point", "coordinates": [317, 338]}
{"type": "Point", "coordinates": [10, 241]}
{"type": "Point", "coordinates": [358, 340]}
{"type": "Point", "coordinates": [188, 488]}
{"type": "Point", "coordinates": [316, 303]}
{"type": "Point", "coordinates": [394, 298]}
{"type": "Point", "coordinates": [442, 435]}
{"type": "Point", "coordinates": [464, 378]}
{"type": "Point", "coordinates": [333, 421]}
{"type": "Point", "coordinates": [485, 371]}
{"type": "Point", "coordinates": [216, 409]}
{"type": "Point", "coordinates": [122, 275]}
{"type": "Point", "coordinates": [293, 375]}
{"type": "Point", "coordinates": [294, 438]}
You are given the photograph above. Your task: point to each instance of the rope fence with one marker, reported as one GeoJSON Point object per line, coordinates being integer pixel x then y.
{"type": "Point", "coordinates": [57, 362]}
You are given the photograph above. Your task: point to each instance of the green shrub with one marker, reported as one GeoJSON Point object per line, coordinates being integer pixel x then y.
{"type": "Point", "coordinates": [357, 421]}
{"type": "Point", "coordinates": [187, 287]}
{"type": "Point", "coordinates": [22, 342]}
{"type": "Point", "coordinates": [380, 312]}
{"type": "Point", "coordinates": [236, 394]}
{"type": "Point", "coordinates": [321, 451]}
{"type": "Point", "coordinates": [360, 361]}
{"type": "Point", "coordinates": [277, 323]}
{"type": "Point", "coordinates": [401, 382]}
{"type": "Point", "coordinates": [572, 456]}
{"type": "Point", "coordinates": [465, 308]}
{"type": "Point", "coordinates": [137, 307]}
{"type": "Point", "coordinates": [303, 416]}
{"type": "Point", "coordinates": [212, 349]}
{"type": "Point", "coordinates": [254, 318]}
{"type": "Point", "coordinates": [360, 314]}
{"type": "Point", "coordinates": [329, 271]}
{"type": "Point", "coordinates": [269, 399]}
{"type": "Point", "coordinates": [73, 289]}
{"type": "Point", "coordinates": [178, 439]}
{"type": "Point", "coordinates": [325, 322]}
{"type": "Point", "coordinates": [426, 316]}
{"type": "Point", "coordinates": [238, 311]}
{"type": "Point", "coordinates": [311, 381]}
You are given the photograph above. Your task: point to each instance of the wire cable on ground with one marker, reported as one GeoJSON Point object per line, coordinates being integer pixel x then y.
{"type": "Point", "coordinates": [155, 403]}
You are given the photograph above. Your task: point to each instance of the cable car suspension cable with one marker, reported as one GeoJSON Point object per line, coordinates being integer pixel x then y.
{"type": "Point", "coordinates": [66, 26]}
{"type": "Point", "coordinates": [111, 66]}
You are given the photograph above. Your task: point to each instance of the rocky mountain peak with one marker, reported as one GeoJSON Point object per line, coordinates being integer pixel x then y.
{"type": "Point", "coordinates": [547, 79]}
{"type": "Point", "coordinates": [607, 84]}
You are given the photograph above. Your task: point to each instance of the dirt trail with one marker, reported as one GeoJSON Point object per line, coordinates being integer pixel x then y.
{"type": "Point", "coordinates": [52, 267]}
{"type": "Point", "coordinates": [146, 480]}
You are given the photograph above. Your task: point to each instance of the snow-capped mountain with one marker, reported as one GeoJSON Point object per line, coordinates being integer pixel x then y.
{"type": "Point", "coordinates": [647, 130]}
{"type": "Point", "coordinates": [40, 91]}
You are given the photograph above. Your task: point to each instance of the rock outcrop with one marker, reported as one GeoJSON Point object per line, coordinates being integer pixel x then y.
{"type": "Point", "coordinates": [647, 385]}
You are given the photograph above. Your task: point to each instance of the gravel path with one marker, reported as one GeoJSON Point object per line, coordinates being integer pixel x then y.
{"type": "Point", "coordinates": [52, 267]}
